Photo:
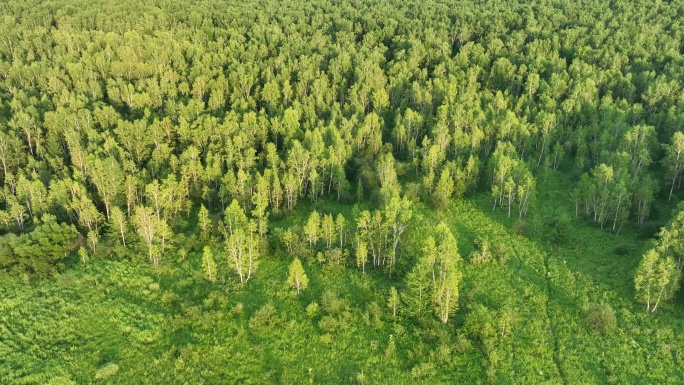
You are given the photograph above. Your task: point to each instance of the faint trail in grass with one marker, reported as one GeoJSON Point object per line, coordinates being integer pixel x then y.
{"type": "Point", "coordinates": [526, 254]}
{"type": "Point", "coordinates": [556, 358]}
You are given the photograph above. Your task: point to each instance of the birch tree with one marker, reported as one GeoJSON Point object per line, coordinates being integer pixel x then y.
{"type": "Point", "coordinates": [656, 280]}
{"type": "Point", "coordinates": [297, 278]}
{"type": "Point", "coordinates": [673, 161]}
{"type": "Point", "coordinates": [148, 227]}
{"type": "Point", "coordinates": [208, 264]}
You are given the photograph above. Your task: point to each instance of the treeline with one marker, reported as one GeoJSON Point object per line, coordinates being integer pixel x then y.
{"type": "Point", "coordinates": [124, 123]}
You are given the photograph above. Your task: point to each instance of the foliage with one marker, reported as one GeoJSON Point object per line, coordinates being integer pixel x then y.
{"type": "Point", "coordinates": [601, 317]}
{"type": "Point", "coordinates": [39, 251]}
{"type": "Point", "coordinates": [188, 152]}
{"type": "Point", "coordinates": [297, 278]}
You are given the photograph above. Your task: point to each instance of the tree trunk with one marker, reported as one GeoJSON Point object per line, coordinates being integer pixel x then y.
{"type": "Point", "coordinates": [660, 294]}
{"type": "Point", "coordinates": [123, 238]}
{"type": "Point", "coordinates": [673, 184]}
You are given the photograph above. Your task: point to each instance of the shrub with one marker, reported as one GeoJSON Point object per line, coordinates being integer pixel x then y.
{"type": "Point", "coordinates": [328, 324]}
{"type": "Point", "coordinates": [462, 344]}
{"type": "Point", "coordinates": [423, 370]}
{"type": "Point", "coordinates": [312, 310]}
{"type": "Point", "coordinates": [600, 317]}
{"type": "Point", "coordinates": [266, 316]}
{"type": "Point", "coordinates": [107, 371]}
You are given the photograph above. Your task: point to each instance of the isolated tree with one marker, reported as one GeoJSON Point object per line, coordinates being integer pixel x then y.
{"type": "Point", "coordinates": [297, 278]}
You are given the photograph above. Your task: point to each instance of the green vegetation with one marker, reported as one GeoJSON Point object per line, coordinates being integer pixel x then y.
{"type": "Point", "coordinates": [324, 192]}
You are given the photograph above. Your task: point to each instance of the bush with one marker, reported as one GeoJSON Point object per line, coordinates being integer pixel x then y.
{"type": "Point", "coordinates": [479, 323]}
{"type": "Point", "coordinates": [600, 317]}
{"type": "Point", "coordinates": [312, 310]}
{"type": "Point", "coordinates": [413, 191]}
{"type": "Point", "coordinates": [332, 304]}
{"type": "Point", "coordinates": [267, 317]}
{"type": "Point", "coordinates": [423, 370]}
{"type": "Point", "coordinates": [107, 371]}
{"type": "Point", "coordinates": [558, 227]}
{"type": "Point", "coordinates": [483, 254]}
{"type": "Point", "coordinates": [623, 250]}
{"type": "Point", "coordinates": [328, 324]}
{"type": "Point", "coordinates": [462, 344]}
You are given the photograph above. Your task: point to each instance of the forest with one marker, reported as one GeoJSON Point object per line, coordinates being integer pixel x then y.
{"type": "Point", "coordinates": [352, 192]}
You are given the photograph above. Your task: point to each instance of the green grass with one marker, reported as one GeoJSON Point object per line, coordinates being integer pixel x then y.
{"type": "Point", "coordinates": [117, 322]}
